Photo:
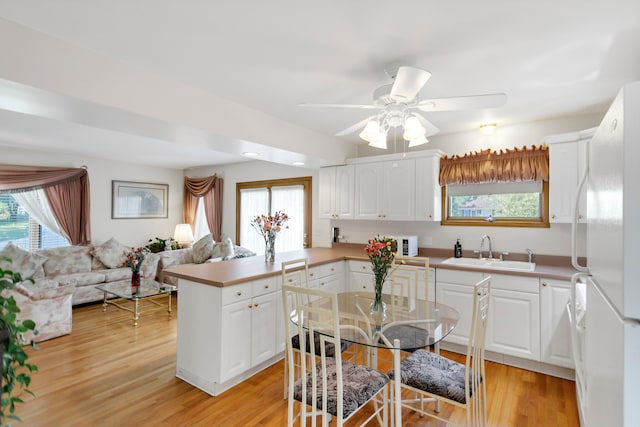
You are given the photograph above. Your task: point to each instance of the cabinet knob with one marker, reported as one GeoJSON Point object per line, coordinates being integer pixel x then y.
{"type": "Point", "coordinates": [544, 283]}
{"type": "Point", "coordinates": [580, 216]}
{"type": "Point", "coordinates": [321, 283]}
{"type": "Point", "coordinates": [266, 286]}
{"type": "Point", "coordinates": [256, 305]}
{"type": "Point", "coordinates": [364, 267]}
{"type": "Point", "coordinates": [290, 280]}
{"type": "Point", "coordinates": [430, 216]}
{"type": "Point", "coordinates": [239, 293]}
{"type": "Point", "coordinates": [364, 286]}
{"type": "Point", "coordinates": [553, 216]}
{"type": "Point", "coordinates": [310, 274]}
{"type": "Point", "coordinates": [250, 306]}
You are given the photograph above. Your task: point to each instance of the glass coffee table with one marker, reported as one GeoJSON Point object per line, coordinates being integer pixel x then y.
{"type": "Point", "coordinates": [149, 291]}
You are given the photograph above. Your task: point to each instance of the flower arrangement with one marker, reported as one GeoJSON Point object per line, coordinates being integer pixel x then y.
{"type": "Point", "coordinates": [382, 251]}
{"type": "Point", "coordinates": [269, 226]}
{"type": "Point", "coordinates": [135, 257]}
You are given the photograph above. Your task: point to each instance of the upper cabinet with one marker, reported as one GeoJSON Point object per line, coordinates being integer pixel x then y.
{"type": "Point", "coordinates": [428, 194]}
{"type": "Point", "coordinates": [394, 187]}
{"type": "Point", "coordinates": [386, 190]}
{"type": "Point", "coordinates": [567, 163]}
{"type": "Point", "coordinates": [335, 192]}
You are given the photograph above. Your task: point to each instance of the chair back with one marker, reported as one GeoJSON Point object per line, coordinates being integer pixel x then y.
{"type": "Point", "coordinates": [321, 319]}
{"type": "Point", "coordinates": [474, 372]}
{"type": "Point", "coordinates": [295, 272]}
{"type": "Point", "coordinates": [405, 281]}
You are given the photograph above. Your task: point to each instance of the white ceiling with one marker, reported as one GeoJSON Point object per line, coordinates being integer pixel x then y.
{"type": "Point", "coordinates": [551, 58]}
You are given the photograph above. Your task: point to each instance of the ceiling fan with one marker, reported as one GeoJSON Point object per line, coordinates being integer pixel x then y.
{"type": "Point", "coordinates": [396, 103]}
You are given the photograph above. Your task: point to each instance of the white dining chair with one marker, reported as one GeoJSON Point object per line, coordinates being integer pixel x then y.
{"type": "Point", "coordinates": [330, 386]}
{"type": "Point", "coordinates": [295, 272]}
{"type": "Point", "coordinates": [448, 381]}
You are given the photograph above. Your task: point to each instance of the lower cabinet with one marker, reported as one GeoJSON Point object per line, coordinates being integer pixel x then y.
{"type": "Point", "coordinates": [514, 307]}
{"type": "Point", "coordinates": [361, 279]}
{"type": "Point", "coordinates": [225, 335]}
{"type": "Point", "coordinates": [555, 328]}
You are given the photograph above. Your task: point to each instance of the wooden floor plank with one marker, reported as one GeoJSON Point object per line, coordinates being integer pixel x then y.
{"type": "Point", "coordinates": [109, 373]}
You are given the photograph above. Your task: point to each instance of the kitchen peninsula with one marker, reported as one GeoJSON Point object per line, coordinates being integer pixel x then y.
{"type": "Point", "coordinates": [230, 323]}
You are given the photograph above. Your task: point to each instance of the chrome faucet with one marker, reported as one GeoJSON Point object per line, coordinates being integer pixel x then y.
{"type": "Point", "coordinates": [486, 236]}
{"type": "Point", "coordinates": [530, 253]}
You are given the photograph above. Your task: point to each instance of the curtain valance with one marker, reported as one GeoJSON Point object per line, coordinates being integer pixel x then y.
{"type": "Point", "coordinates": [510, 165]}
{"type": "Point", "coordinates": [211, 190]}
{"type": "Point", "coordinates": [66, 190]}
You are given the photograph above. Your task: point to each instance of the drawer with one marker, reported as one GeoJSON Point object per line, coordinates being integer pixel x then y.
{"type": "Point", "coordinates": [314, 273]}
{"type": "Point", "coordinates": [459, 277]}
{"type": "Point", "coordinates": [235, 293]}
{"type": "Point", "coordinates": [331, 268]}
{"type": "Point", "coordinates": [264, 286]}
{"type": "Point", "coordinates": [360, 266]}
{"type": "Point", "coordinates": [508, 282]}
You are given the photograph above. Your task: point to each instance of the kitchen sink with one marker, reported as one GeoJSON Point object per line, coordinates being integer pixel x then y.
{"type": "Point", "coordinates": [492, 263]}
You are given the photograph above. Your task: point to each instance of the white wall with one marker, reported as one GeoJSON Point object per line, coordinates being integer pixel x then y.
{"type": "Point", "coordinates": [131, 232]}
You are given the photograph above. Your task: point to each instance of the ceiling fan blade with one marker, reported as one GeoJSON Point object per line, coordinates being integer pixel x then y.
{"type": "Point", "coordinates": [360, 106]}
{"type": "Point", "coordinates": [355, 127]}
{"type": "Point", "coordinates": [408, 83]}
{"type": "Point", "coordinates": [463, 102]}
{"type": "Point", "coordinates": [431, 129]}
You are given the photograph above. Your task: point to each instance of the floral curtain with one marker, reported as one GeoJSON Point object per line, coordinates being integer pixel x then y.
{"type": "Point", "coordinates": [510, 165]}
{"type": "Point", "coordinates": [211, 190]}
{"type": "Point", "coordinates": [66, 190]}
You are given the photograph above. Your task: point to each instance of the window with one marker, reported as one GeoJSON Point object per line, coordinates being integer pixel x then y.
{"type": "Point", "coordinates": [515, 204]}
{"type": "Point", "coordinates": [292, 196]}
{"type": "Point", "coordinates": [20, 228]}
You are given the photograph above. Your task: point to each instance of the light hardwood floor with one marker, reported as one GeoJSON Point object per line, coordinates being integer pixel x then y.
{"type": "Point", "coordinates": [109, 373]}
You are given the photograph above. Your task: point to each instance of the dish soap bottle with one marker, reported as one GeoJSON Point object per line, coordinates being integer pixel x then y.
{"type": "Point", "coordinates": [457, 249]}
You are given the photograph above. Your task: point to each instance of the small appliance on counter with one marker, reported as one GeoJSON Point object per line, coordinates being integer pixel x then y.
{"type": "Point", "coordinates": [407, 245]}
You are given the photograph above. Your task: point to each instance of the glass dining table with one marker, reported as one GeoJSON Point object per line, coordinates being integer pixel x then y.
{"type": "Point", "coordinates": [406, 324]}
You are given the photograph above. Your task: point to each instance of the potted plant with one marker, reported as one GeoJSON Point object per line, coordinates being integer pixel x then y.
{"type": "Point", "coordinates": [16, 371]}
{"type": "Point", "coordinates": [160, 245]}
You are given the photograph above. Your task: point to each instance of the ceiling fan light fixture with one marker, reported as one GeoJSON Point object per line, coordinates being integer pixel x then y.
{"type": "Point", "coordinates": [418, 141]}
{"type": "Point", "coordinates": [371, 131]}
{"type": "Point", "coordinates": [380, 141]}
{"type": "Point", "coordinates": [413, 129]}
{"type": "Point", "coordinates": [488, 128]}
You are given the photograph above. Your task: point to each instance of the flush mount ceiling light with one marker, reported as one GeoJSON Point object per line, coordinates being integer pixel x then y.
{"type": "Point", "coordinates": [250, 154]}
{"type": "Point", "coordinates": [488, 128]}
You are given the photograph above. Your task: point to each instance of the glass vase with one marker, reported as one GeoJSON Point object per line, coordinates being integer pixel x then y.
{"type": "Point", "coordinates": [378, 306]}
{"type": "Point", "coordinates": [135, 282]}
{"type": "Point", "coordinates": [270, 248]}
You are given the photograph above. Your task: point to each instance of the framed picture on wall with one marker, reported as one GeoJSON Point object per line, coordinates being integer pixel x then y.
{"type": "Point", "coordinates": [139, 200]}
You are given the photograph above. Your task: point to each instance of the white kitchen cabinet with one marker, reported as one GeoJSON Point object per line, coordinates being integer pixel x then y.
{"type": "Point", "coordinates": [360, 276]}
{"type": "Point", "coordinates": [567, 162]}
{"type": "Point", "coordinates": [514, 319]}
{"type": "Point", "coordinates": [226, 335]}
{"type": "Point", "coordinates": [555, 329]}
{"type": "Point", "coordinates": [428, 191]}
{"type": "Point", "coordinates": [250, 325]}
{"type": "Point", "coordinates": [514, 316]}
{"type": "Point", "coordinates": [455, 289]}
{"type": "Point", "coordinates": [335, 192]}
{"type": "Point", "coordinates": [331, 277]}
{"type": "Point", "coordinates": [385, 190]}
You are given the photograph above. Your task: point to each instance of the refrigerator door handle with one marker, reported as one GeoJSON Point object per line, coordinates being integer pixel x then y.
{"type": "Point", "coordinates": [574, 222]}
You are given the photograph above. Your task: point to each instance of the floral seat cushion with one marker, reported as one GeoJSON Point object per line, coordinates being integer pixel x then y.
{"type": "Point", "coordinates": [360, 383]}
{"type": "Point", "coordinates": [329, 349]}
{"type": "Point", "coordinates": [434, 374]}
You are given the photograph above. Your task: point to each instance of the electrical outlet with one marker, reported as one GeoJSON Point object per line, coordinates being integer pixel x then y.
{"type": "Point", "coordinates": [427, 240]}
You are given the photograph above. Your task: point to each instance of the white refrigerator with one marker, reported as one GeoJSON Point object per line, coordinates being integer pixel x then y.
{"type": "Point", "coordinates": [612, 329]}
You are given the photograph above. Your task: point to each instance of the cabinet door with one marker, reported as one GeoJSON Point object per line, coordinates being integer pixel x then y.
{"type": "Point", "coordinates": [263, 328]}
{"type": "Point", "coordinates": [344, 200]}
{"type": "Point", "coordinates": [459, 297]}
{"type": "Point", "coordinates": [236, 339]}
{"type": "Point", "coordinates": [428, 193]}
{"type": "Point", "coordinates": [368, 193]}
{"type": "Point", "coordinates": [555, 329]}
{"type": "Point", "coordinates": [326, 192]}
{"type": "Point", "coordinates": [398, 190]}
{"type": "Point", "coordinates": [514, 324]}
{"type": "Point", "coordinates": [563, 180]}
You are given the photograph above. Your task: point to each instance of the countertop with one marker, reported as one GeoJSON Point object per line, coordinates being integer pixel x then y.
{"type": "Point", "coordinates": [232, 272]}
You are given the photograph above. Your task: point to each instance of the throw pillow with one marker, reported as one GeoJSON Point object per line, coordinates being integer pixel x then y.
{"type": "Point", "coordinates": [111, 253]}
{"type": "Point", "coordinates": [24, 262]}
{"type": "Point", "coordinates": [228, 248]}
{"type": "Point", "coordinates": [202, 249]}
